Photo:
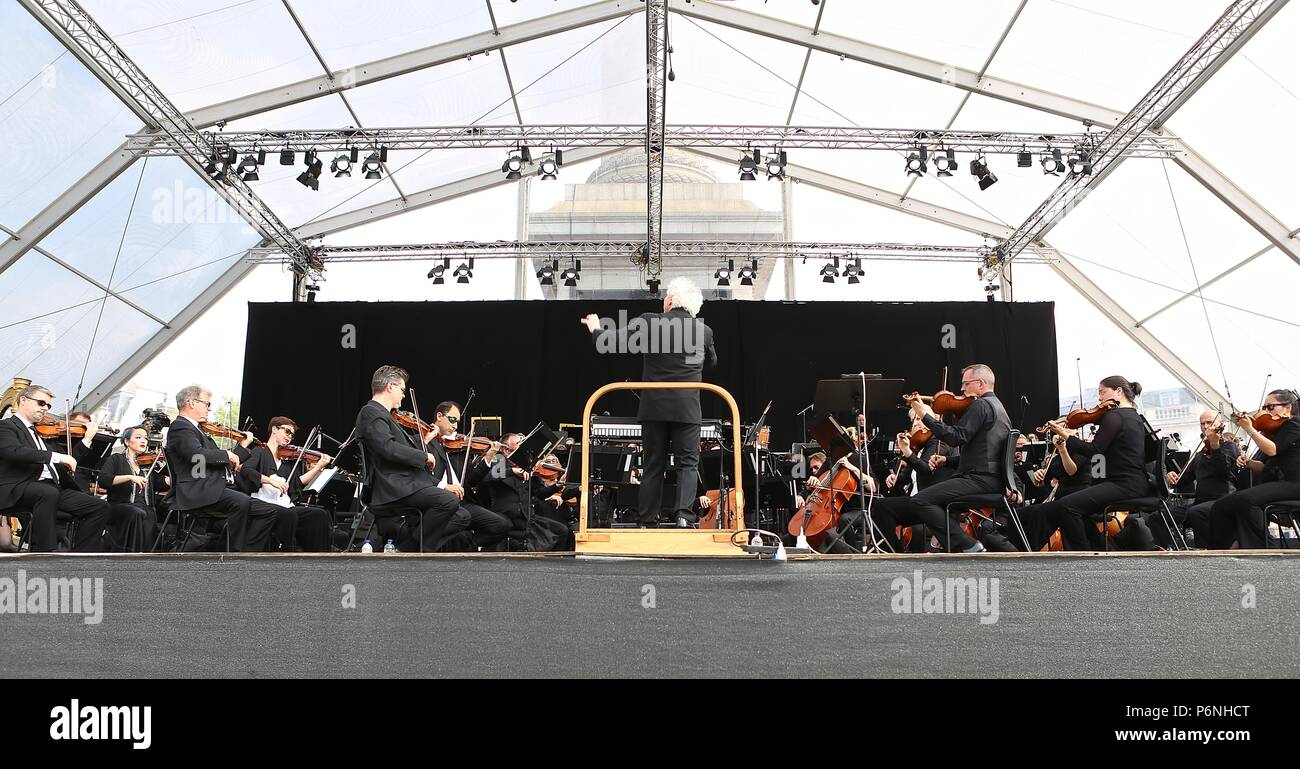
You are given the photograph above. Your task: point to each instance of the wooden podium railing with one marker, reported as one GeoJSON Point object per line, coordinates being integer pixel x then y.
{"type": "Point", "coordinates": [659, 542]}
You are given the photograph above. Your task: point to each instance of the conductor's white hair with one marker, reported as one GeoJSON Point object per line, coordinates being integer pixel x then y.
{"type": "Point", "coordinates": [685, 294]}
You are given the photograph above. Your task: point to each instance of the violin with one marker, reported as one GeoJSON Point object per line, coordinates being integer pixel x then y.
{"type": "Point", "coordinates": [147, 458]}
{"type": "Point", "coordinates": [1079, 417]}
{"type": "Point", "coordinates": [460, 442]}
{"type": "Point", "coordinates": [411, 422]}
{"type": "Point", "coordinates": [217, 430]}
{"type": "Point", "coordinates": [1263, 421]}
{"type": "Point", "coordinates": [293, 453]}
{"type": "Point", "coordinates": [50, 428]}
{"type": "Point", "coordinates": [943, 402]}
{"type": "Point", "coordinates": [547, 471]}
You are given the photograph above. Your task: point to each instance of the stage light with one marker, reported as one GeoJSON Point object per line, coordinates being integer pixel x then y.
{"type": "Point", "coordinates": [513, 167]}
{"type": "Point", "coordinates": [854, 271]}
{"type": "Point", "coordinates": [831, 271]}
{"type": "Point", "coordinates": [286, 157]}
{"type": "Point", "coordinates": [652, 285]}
{"type": "Point", "coordinates": [464, 271]}
{"type": "Point", "coordinates": [570, 275]}
{"type": "Point", "coordinates": [248, 169]}
{"type": "Point", "coordinates": [547, 168]}
{"type": "Point", "coordinates": [1024, 158]}
{"type": "Point", "coordinates": [944, 163]}
{"type": "Point", "coordinates": [723, 273]}
{"type": "Point", "coordinates": [311, 176]}
{"type": "Point", "coordinates": [436, 273]}
{"type": "Point", "coordinates": [748, 272]}
{"type": "Point", "coordinates": [916, 162]}
{"type": "Point", "coordinates": [776, 165]}
{"type": "Point", "coordinates": [979, 168]}
{"type": "Point", "coordinates": [342, 166]}
{"type": "Point", "coordinates": [373, 168]}
{"type": "Point", "coordinates": [749, 165]}
{"type": "Point", "coordinates": [1080, 165]}
{"type": "Point", "coordinates": [1052, 164]}
{"type": "Point", "coordinates": [547, 273]}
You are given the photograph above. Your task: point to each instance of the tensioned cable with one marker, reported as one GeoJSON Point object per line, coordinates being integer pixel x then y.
{"type": "Point", "coordinates": [1164, 165]}
{"type": "Point", "coordinates": [39, 72]}
{"type": "Point", "coordinates": [108, 283]}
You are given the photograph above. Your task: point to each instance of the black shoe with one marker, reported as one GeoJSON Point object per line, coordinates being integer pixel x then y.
{"type": "Point", "coordinates": [682, 523]}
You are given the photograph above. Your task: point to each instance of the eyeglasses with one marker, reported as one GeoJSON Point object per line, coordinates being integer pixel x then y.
{"type": "Point", "coordinates": [1271, 406]}
{"type": "Point", "coordinates": [970, 381]}
{"type": "Point", "coordinates": [453, 420]}
{"type": "Point", "coordinates": [289, 430]}
{"type": "Point", "coordinates": [206, 404]}
{"type": "Point", "coordinates": [41, 403]}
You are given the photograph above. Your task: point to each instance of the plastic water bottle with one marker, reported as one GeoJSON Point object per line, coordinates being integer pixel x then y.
{"type": "Point", "coordinates": [757, 540]}
{"type": "Point", "coordinates": [389, 547]}
{"type": "Point", "coordinates": [367, 547]}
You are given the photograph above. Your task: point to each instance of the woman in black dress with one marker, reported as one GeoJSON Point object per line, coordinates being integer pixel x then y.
{"type": "Point", "coordinates": [1115, 460]}
{"type": "Point", "coordinates": [1240, 516]}
{"type": "Point", "coordinates": [131, 487]}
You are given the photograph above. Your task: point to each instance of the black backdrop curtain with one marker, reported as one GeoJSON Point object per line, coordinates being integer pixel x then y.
{"type": "Point", "coordinates": [533, 360]}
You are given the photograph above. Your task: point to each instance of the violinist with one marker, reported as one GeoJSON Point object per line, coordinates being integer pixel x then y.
{"type": "Point", "coordinates": [88, 455]}
{"type": "Point", "coordinates": [34, 477]}
{"type": "Point", "coordinates": [1062, 475]}
{"type": "Point", "coordinates": [278, 481]}
{"type": "Point", "coordinates": [486, 527]}
{"type": "Point", "coordinates": [1207, 478]}
{"type": "Point", "coordinates": [981, 433]}
{"type": "Point", "coordinates": [203, 475]}
{"type": "Point", "coordinates": [518, 496]}
{"type": "Point", "coordinates": [131, 488]}
{"type": "Point", "coordinates": [397, 463]}
{"type": "Point", "coordinates": [1115, 459]}
{"type": "Point", "coordinates": [931, 463]}
{"type": "Point", "coordinates": [1275, 430]}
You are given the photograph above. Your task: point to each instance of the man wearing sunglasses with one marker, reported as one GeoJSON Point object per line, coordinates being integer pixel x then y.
{"type": "Point", "coordinates": [486, 527]}
{"type": "Point", "coordinates": [34, 477]}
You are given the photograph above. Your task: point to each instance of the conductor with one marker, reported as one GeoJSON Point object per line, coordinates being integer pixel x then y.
{"type": "Point", "coordinates": [676, 346]}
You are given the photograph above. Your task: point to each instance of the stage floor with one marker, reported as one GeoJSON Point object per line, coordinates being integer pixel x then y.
{"type": "Point", "coordinates": [1112, 615]}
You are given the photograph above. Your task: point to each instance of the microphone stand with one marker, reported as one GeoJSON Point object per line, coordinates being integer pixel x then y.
{"type": "Point", "coordinates": [864, 472]}
{"type": "Point", "coordinates": [804, 413]}
{"type": "Point", "coordinates": [752, 435]}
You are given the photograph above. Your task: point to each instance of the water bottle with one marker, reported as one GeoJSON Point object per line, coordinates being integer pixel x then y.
{"type": "Point", "coordinates": [367, 547]}
{"type": "Point", "coordinates": [389, 547]}
{"type": "Point", "coordinates": [756, 540]}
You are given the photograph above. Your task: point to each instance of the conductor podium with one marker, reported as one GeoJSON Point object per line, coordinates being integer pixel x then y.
{"type": "Point", "coordinates": [665, 542]}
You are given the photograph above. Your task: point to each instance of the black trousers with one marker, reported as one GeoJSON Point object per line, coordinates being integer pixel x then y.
{"type": "Point", "coordinates": [1072, 514]}
{"type": "Point", "coordinates": [487, 527]}
{"type": "Point", "coordinates": [47, 500]}
{"type": "Point", "coordinates": [303, 527]}
{"type": "Point", "coordinates": [1240, 516]}
{"type": "Point", "coordinates": [438, 506]}
{"type": "Point", "coordinates": [929, 507]}
{"type": "Point", "coordinates": [1196, 515]}
{"type": "Point", "coordinates": [657, 439]}
{"type": "Point", "coordinates": [132, 526]}
{"type": "Point", "coordinates": [249, 521]}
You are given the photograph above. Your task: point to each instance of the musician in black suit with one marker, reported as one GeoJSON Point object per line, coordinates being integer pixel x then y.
{"type": "Point", "coordinates": [397, 465]}
{"type": "Point", "coordinates": [485, 527]}
{"type": "Point", "coordinates": [677, 346]}
{"type": "Point", "coordinates": [35, 478]}
{"type": "Point", "coordinates": [203, 478]}
{"type": "Point", "coordinates": [517, 496]}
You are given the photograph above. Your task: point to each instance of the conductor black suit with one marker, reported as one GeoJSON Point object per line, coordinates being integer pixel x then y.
{"type": "Point", "coordinates": [676, 347]}
{"type": "Point", "coordinates": [198, 470]}
{"type": "Point", "coordinates": [23, 457]}
{"type": "Point", "coordinates": [397, 475]}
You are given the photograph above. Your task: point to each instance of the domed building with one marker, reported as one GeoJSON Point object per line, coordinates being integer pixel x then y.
{"type": "Point", "coordinates": [611, 205]}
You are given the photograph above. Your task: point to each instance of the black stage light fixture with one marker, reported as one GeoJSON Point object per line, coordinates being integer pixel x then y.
{"type": "Point", "coordinates": [749, 165]}
{"type": "Point", "coordinates": [652, 285]}
{"type": "Point", "coordinates": [464, 271]}
{"type": "Point", "coordinates": [311, 176]}
{"type": "Point", "coordinates": [944, 163]}
{"type": "Point", "coordinates": [831, 271]}
{"type": "Point", "coordinates": [373, 168]}
{"type": "Point", "coordinates": [1024, 158]}
{"type": "Point", "coordinates": [1052, 164]}
{"type": "Point", "coordinates": [248, 169]}
{"type": "Point", "coordinates": [916, 164]}
{"type": "Point", "coordinates": [979, 168]}
{"type": "Point", "coordinates": [436, 273]}
{"type": "Point", "coordinates": [1080, 164]}
{"type": "Point", "coordinates": [546, 274]}
{"type": "Point", "coordinates": [286, 157]}
{"type": "Point", "coordinates": [341, 166]}
{"type": "Point", "coordinates": [723, 273]}
{"type": "Point", "coordinates": [513, 167]}
{"type": "Point", "coordinates": [547, 168]}
{"type": "Point", "coordinates": [571, 275]}
{"type": "Point", "coordinates": [748, 272]}
{"type": "Point", "coordinates": [776, 165]}
{"type": "Point", "coordinates": [854, 271]}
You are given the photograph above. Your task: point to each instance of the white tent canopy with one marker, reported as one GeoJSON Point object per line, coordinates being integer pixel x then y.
{"type": "Point", "coordinates": [111, 260]}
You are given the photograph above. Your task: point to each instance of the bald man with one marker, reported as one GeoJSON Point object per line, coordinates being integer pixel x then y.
{"type": "Point", "coordinates": [1206, 480]}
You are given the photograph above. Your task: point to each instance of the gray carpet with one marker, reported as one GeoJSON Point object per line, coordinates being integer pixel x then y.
{"type": "Point", "coordinates": [262, 616]}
